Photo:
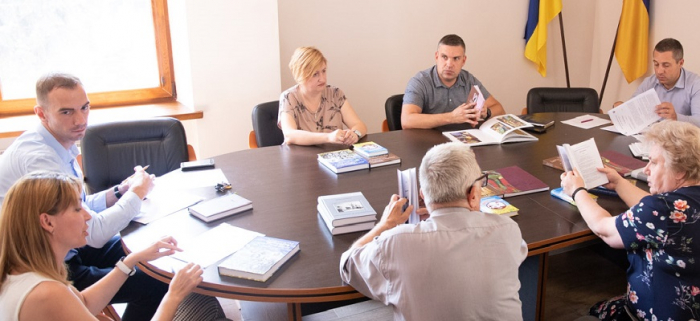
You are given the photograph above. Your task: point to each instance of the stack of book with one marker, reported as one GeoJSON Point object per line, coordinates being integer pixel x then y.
{"type": "Point", "coordinates": [360, 156]}
{"type": "Point", "coordinates": [346, 213]}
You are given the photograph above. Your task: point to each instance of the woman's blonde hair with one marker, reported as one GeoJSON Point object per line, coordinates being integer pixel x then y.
{"type": "Point", "coordinates": [24, 244]}
{"type": "Point", "coordinates": [304, 62]}
{"type": "Point", "coordinates": [680, 142]}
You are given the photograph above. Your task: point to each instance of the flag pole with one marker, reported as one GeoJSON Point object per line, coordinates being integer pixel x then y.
{"type": "Point", "coordinates": [563, 45]}
{"type": "Point", "coordinates": [607, 70]}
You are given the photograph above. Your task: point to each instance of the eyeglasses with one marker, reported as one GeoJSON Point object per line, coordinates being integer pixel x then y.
{"type": "Point", "coordinates": [485, 177]}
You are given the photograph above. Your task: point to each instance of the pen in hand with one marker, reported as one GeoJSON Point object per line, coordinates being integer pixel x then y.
{"type": "Point", "coordinates": [132, 175]}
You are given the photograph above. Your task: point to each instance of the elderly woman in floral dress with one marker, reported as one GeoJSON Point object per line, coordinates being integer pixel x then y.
{"type": "Point", "coordinates": [659, 231]}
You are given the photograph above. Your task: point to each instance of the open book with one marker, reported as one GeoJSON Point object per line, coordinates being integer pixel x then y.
{"type": "Point", "coordinates": [585, 158]}
{"type": "Point", "coordinates": [636, 114]}
{"type": "Point", "coordinates": [497, 130]}
{"type": "Point", "coordinates": [408, 188]}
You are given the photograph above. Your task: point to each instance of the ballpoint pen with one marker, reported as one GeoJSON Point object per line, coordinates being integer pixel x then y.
{"type": "Point", "coordinates": [587, 120]}
{"type": "Point", "coordinates": [132, 175]}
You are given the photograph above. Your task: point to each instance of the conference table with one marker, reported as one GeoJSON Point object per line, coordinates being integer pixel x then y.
{"type": "Point", "coordinates": [284, 182]}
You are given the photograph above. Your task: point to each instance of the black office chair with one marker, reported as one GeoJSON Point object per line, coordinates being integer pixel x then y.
{"type": "Point", "coordinates": [546, 99]}
{"type": "Point", "coordinates": [393, 111]}
{"type": "Point", "coordinates": [111, 150]}
{"type": "Point", "coordinates": [265, 131]}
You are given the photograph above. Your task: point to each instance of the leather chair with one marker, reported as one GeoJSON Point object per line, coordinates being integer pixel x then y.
{"type": "Point", "coordinates": [111, 150]}
{"type": "Point", "coordinates": [392, 107]}
{"type": "Point", "coordinates": [265, 131]}
{"type": "Point", "coordinates": [546, 99]}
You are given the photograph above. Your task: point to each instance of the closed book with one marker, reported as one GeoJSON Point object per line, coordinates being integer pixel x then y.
{"type": "Point", "coordinates": [383, 160]}
{"type": "Point", "coordinates": [559, 193]}
{"type": "Point", "coordinates": [498, 206]}
{"type": "Point", "coordinates": [220, 207]}
{"type": "Point", "coordinates": [538, 120]}
{"type": "Point", "coordinates": [369, 149]}
{"type": "Point", "coordinates": [342, 161]}
{"type": "Point", "coordinates": [512, 181]}
{"type": "Point", "coordinates": [350, 228]}
{"type": "Point", "coordinates": [345, 209]}
{"type": "Point", "coordinates": [259, 259]}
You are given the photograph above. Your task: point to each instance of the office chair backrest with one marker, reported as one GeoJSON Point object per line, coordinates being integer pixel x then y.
{"type": "Point", "coordinates": [541, 100]}
{"type": "Point", "coordinates": [393, 111]}
{"type": "Point", "coordinates": [111, 150]}
{"type": "Point", "coordinates": [265, 124]}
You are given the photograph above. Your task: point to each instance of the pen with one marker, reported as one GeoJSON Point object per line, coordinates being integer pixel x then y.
{"type": "Point", "coordinates": [132, 175]}
{"type": "Point", "coordinates": [587, 120]}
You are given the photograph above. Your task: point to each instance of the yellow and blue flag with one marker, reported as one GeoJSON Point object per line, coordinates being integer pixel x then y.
{"type": "Point", "coordinates": [540, 13]}
{"type": "Point", "coordinates": [632, 42]}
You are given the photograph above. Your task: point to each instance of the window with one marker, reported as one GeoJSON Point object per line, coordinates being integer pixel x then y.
{"type": "Point", "coordinates": [120, 49]}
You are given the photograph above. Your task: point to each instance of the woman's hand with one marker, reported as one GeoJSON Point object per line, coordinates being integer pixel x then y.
{"type": "Point", "coordinates": [164, 247]}
{"type": "Point", "coordinates": [185, 281]}
{"type": "Point", "coordinates": [570, 181]}
{"type": "Point", "coordinates": [341, 136]}
{"type": "Point", "coordinates": [613, 176]}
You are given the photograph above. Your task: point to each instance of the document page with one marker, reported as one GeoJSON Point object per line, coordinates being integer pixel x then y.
{"type": "Point", "coordinates": [636, 114]}
{"type": "Point", "coordinates": [585, 158]}
{"type": "Point", "coordinates": [215, 244]}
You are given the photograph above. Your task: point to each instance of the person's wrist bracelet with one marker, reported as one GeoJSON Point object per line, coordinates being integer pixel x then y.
{"type": "Point", "coordinates": [117, 194]}
{"type": "Point", "coordinates": [573, 195]}
{"type": "Point", "coordinates": [122, 267]}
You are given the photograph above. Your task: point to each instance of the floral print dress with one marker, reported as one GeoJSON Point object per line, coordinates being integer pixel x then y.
{"type": "Point", "coordinates": [662, 237]}
{"type": "Point", "coordinates": [326, 119]}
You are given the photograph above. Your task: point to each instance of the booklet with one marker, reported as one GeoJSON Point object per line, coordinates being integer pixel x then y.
{"type": "Point", "coordinates": [623, 164]}
{"type": "Point", "coordinates": [497, 130]}
{"type": "Point", "coordinates": [636, 114]}
{"type": "Point", "coordinates": [584, 157]}
{"type": "Point", "coordinates": [408, 188]}
{"type": "Point", "coordinates": [497, 205]}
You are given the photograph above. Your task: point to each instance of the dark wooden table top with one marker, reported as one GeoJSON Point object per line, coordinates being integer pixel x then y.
{"type": "Point", "coordinates": [283, 182]}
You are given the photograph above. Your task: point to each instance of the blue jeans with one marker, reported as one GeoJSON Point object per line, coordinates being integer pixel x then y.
{"type": "Point", "coordinates": [141, 292]}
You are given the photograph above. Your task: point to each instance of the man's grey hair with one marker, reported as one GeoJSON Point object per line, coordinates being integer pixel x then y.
{"type": "Point", "coordinates": [51, 81]}
{"type": "Point", "coordinates": [447, 170]}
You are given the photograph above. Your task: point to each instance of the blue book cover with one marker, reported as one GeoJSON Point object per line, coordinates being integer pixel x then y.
{"type": "Point", "coordinates": [343, 161]}
{"type": "Point", "coordinates": [369, 149]}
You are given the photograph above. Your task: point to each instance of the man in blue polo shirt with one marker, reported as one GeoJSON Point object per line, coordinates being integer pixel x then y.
{"type": "Point", "coordinates": [678, 88]}
{"type": "Point", "coordinates": [437, 97]}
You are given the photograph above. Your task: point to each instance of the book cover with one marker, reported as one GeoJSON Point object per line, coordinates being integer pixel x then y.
{"type": "Point", "coordinates": [369, 149]}
{"type": "Point", "coordinates": [220, 207]}
{"type": "Point", "coordinates": [497, 130]}
{"type": "Point", "coordinates": [475, 96]}
{"type": "Point", "coordinates": [408, 188]}
{"type": "Point", "coordinates": [498, 206]}
{"type": "Point", "coordinates": [342, 161]}
{"type": "Point", "coordinates": [348, 208]}
{"type": "Point", "coordinates": [559, 193]}
{"type": "Point", "coordinates": [512, 181]}
{"type": "Point", "coordinates": [259, 259]}
{"type": "Point", "coordinates": [383, 160]}
{"type": "Point", "coordinates": [344, 229]}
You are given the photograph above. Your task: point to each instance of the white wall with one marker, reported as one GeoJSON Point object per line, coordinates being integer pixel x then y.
{"type": "Point", "coordinates": [229, 63]}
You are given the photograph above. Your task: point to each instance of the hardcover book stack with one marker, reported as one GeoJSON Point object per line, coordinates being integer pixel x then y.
{"type": "Point", "coordinates": [346, 213]}
{"type": "Point", "coordinates": [360, 156]}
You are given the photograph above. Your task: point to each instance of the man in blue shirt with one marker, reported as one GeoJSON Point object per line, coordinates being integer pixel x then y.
{"type": "Point", "coordinates": [63, 109]}
{"type": "Point", "coordinates": [678, 88]}
{"type": "Point", "coordinates": [437, 97]}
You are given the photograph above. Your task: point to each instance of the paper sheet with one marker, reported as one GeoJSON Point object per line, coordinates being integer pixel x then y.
{"type": "Point", "coordinates": [215, 244]}
{"type": "Point", "coordinates": [161, 203]}
{"type": "Point", "coordinates": [586, 121]}
{"type": "Point", "coordinates": [636, 114]}
{"type": "Point", "coordinates": [180, 180]}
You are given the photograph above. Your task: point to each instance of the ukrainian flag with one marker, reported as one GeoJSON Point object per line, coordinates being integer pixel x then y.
{"type": "Point", "coordinates": [540, 13]}
{"type": "Point", "coordinates": [632, 43]}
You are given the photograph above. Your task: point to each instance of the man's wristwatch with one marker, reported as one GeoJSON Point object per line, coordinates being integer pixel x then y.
{"type": "Point", "coordinates": [122, 267]}
{"type": "Point", "coordinates": [488, 113]}
{"type": "Point", "coordinates": [358, 133]}
{"type": "Point", "coordinates": [117, 194]}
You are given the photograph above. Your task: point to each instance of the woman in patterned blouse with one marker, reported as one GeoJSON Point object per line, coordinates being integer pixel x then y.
{"type": "Point", "coordinates": [658, 231]}
{"type": "Point", "coordinates": [313, 112]}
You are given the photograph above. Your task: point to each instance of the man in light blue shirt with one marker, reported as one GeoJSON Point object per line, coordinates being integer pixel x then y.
{"type": "Point", "coordinates": [678, 88]}
{"type": "Point", "coordinates": [63, 109]}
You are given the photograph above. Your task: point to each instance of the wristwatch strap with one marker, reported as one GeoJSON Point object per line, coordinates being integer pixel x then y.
{"type": "Point", "coordinates": [122, 267]}
{"type": "Point", "coordinates": [117, 194]}
{"type": "Point", "coordinates": [358, 133]}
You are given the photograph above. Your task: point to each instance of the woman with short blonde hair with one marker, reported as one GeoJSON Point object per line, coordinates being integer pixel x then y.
{"type": "Point", "coordinates": [313, 112]}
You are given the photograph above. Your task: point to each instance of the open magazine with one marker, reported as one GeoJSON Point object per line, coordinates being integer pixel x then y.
{"type": "Point", "coordinates": [497, 130]}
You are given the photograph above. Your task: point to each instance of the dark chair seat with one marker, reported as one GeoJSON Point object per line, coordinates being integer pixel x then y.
{"type": "Point", "coordinates": [267, 133]}
{"type": "Point", "coordinates": [110, 151]}
{"type": "Point", "coordinates": [547, 99]}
